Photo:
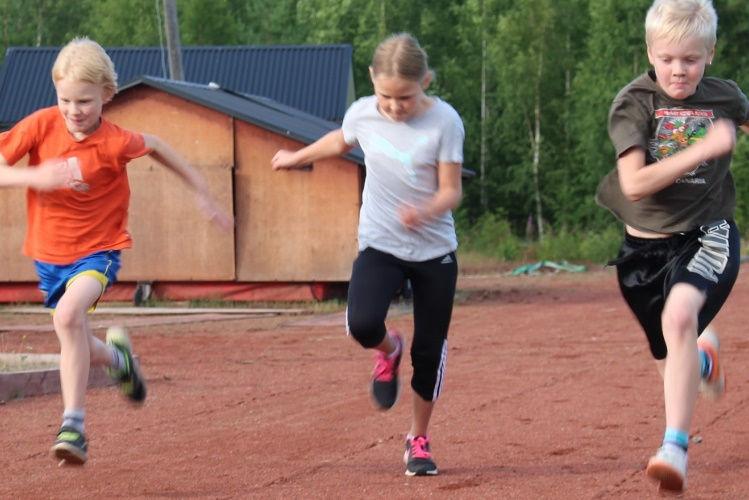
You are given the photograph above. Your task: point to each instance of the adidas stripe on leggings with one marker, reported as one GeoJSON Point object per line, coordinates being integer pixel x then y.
{"type": "Point", "coordinates": [375, 278]}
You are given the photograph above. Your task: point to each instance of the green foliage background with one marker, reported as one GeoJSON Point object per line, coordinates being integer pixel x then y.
{"type": "Point", "coordinates": [552, 63]}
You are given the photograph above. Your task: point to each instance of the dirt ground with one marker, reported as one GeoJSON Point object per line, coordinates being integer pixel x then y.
{"type": "Point", "coordinates": [550, 393]}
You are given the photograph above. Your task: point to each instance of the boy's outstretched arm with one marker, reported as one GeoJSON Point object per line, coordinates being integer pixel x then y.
{"type": "Point", "coordinates": [638, 180]}
{"type": "Point", "coordinates": [331, 144]}
{"type": "Point", "coordinates": [166, 155]}
{"type": "Point", "coordinates": [49, 175]}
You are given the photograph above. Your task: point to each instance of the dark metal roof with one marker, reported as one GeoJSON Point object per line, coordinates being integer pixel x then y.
{"type": "Point", "coordinates": [317, 79]}
{"type": "Point", "coordinates": [258, 110]}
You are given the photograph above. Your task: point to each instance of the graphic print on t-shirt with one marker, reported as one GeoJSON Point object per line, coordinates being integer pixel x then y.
{"type": "Point", "coordinates": [76, 178]}
{"type": "Point", "coordinates": [405, 157]}
{"type": "Point", "coordinates": [677, 128]}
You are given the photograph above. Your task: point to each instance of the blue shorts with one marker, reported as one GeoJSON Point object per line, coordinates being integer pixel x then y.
{"type": "Point", "coordinates": [54, 279]}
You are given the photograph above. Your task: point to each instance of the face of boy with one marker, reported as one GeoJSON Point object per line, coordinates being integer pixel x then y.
{"type": "Point", "coordinates": [397, 98]}
{"type": "Point", "coordinates": [679, 66]}
{"type": "Point", "coordinates": [80, 104]}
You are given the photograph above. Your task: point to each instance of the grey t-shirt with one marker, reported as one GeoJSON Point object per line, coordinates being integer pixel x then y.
{"type": "Point", "coordinates": [401, 169]}
{"type": "Point", "coordinates": [643, 116]}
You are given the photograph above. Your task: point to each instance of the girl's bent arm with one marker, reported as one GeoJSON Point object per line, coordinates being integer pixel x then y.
{"type": "Point", "coordinates": [331, 144]}
{"type": "Point", "coordinates": [639, 180]}
{"type": "Point", "coordinates": [447, 197]}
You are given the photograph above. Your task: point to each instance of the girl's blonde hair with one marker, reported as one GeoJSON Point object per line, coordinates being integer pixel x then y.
{"type": "Point", "coordinates": [678, 20]}
{"type": "Point", "coordinates": [401, 55]}
{"type": "Point", "coordinates": [84, 60]}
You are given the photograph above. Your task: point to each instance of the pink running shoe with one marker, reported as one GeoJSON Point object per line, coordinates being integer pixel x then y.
{"type": "Point", "coordinates": [385, 376]}
{"type": "Point", "coordinates": [418, 458]}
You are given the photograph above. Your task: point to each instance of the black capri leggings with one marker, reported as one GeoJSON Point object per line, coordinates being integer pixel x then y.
{"type": "Point", "coordinates": [375, 279]}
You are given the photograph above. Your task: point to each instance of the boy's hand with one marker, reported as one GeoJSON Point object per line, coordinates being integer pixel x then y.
{"type": "Point", "coordinates": [214, 213]}
{"type": "Point", "coordinates": [76, 178]}
{"type": "Point", "coordinates": [51, 174]}
{"type": "Point", "coordinates": [283, 159]}
{"type": "Point", "coordinates": [719, 140]}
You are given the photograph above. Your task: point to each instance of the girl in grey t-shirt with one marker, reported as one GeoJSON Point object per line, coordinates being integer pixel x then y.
{"type": "Point", "coordinates": [413, 150]}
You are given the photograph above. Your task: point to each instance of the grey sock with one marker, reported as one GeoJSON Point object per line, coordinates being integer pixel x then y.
{"type": "Point", "coordinates": [74, 419]}
{"type": "Point", "coordinates": [118, 359]}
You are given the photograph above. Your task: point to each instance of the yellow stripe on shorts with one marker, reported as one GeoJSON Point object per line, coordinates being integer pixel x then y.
{"type": "Point", "coordinates": [98, 276]}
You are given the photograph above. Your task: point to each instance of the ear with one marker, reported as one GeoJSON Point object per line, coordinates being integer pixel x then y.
{"type": "Point", "coordinates": [107, 93]}
{"type": "Point", "coordinates": [651, 58]}
{"type": "Point", "coordinates": [371, 73]}
{"type": "Point", "coordinates": [710, 55]}
{"type": "Point", "coordinates": [427, 80]}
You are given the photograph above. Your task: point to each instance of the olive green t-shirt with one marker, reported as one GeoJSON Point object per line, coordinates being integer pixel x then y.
{"type": "Point", "coordinates": [643, 116]}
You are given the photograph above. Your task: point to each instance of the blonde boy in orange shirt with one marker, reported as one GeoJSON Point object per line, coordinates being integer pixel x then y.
{"type": "Point", "coordinates": [77, 205]}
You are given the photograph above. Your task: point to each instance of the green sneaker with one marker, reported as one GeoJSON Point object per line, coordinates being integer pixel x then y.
{"type": "Point", "coordinates": [70, 446]}
{"type": "Point", "coordinates": [131, 380]}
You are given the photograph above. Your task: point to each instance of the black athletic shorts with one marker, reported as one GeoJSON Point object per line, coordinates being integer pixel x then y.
{"type": "Point", "coordinates": [707, 258]}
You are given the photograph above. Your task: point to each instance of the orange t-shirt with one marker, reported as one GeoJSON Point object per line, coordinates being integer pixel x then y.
{"type": "Point", "coordinates": [67, 224]}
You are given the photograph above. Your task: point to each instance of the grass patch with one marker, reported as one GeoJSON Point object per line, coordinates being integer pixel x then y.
{"type": "Point", "coordinates": [489, 244]}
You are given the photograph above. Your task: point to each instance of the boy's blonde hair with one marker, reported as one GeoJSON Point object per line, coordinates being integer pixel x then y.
{"type": "Point", "coordinates": [85, 60]}
{"type": "Point", "coordinates": [677, 20]}
{"type": "Point", "coordinates": [401, 55]}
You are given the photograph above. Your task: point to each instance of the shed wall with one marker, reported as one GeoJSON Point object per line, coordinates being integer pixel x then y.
{"type": "Point", "coordinates": [292, 225]}
{"type": "Point", "coordinates": [173, 240]}
{"type": "Point", "coordinates": [14, 266]}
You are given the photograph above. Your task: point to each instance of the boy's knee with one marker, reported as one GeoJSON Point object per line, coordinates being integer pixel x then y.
{"type": "Point", "coordinates": [678, 323]}
{"type": "Point", "coordinates": [66, 320]}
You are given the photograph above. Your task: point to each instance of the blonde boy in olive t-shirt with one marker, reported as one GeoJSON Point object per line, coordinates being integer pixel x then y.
{"type": "Point", "coordinates": [674, 131]}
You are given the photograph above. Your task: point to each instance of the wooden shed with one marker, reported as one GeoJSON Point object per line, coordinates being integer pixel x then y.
{"type": "Point", "coordinates": [295, 230]}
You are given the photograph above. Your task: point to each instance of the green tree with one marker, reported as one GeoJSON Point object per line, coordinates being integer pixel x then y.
{"type": "Point", "coordinates": [614, 55]}
{"type": "Point", "coordinates": [39, 23]}
{"type": "Point", "coordinates": [266, 22]}
{"type": "Point", "coordinates": [462, 56]}
{"type": "Point", "coordinates": [114, 23]}
{"type": "Point", "coordinates": [529, 55]}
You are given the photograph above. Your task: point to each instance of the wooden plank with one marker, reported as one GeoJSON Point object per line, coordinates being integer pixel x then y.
{"type": "Point", "coordinates": [14, 266]}
{"type": "Point", "coordinates": [173, 241]}
{"type": "Point", "coordinates": [293, 225]}
{"type": "Point", "coordinates": [153, 311]}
